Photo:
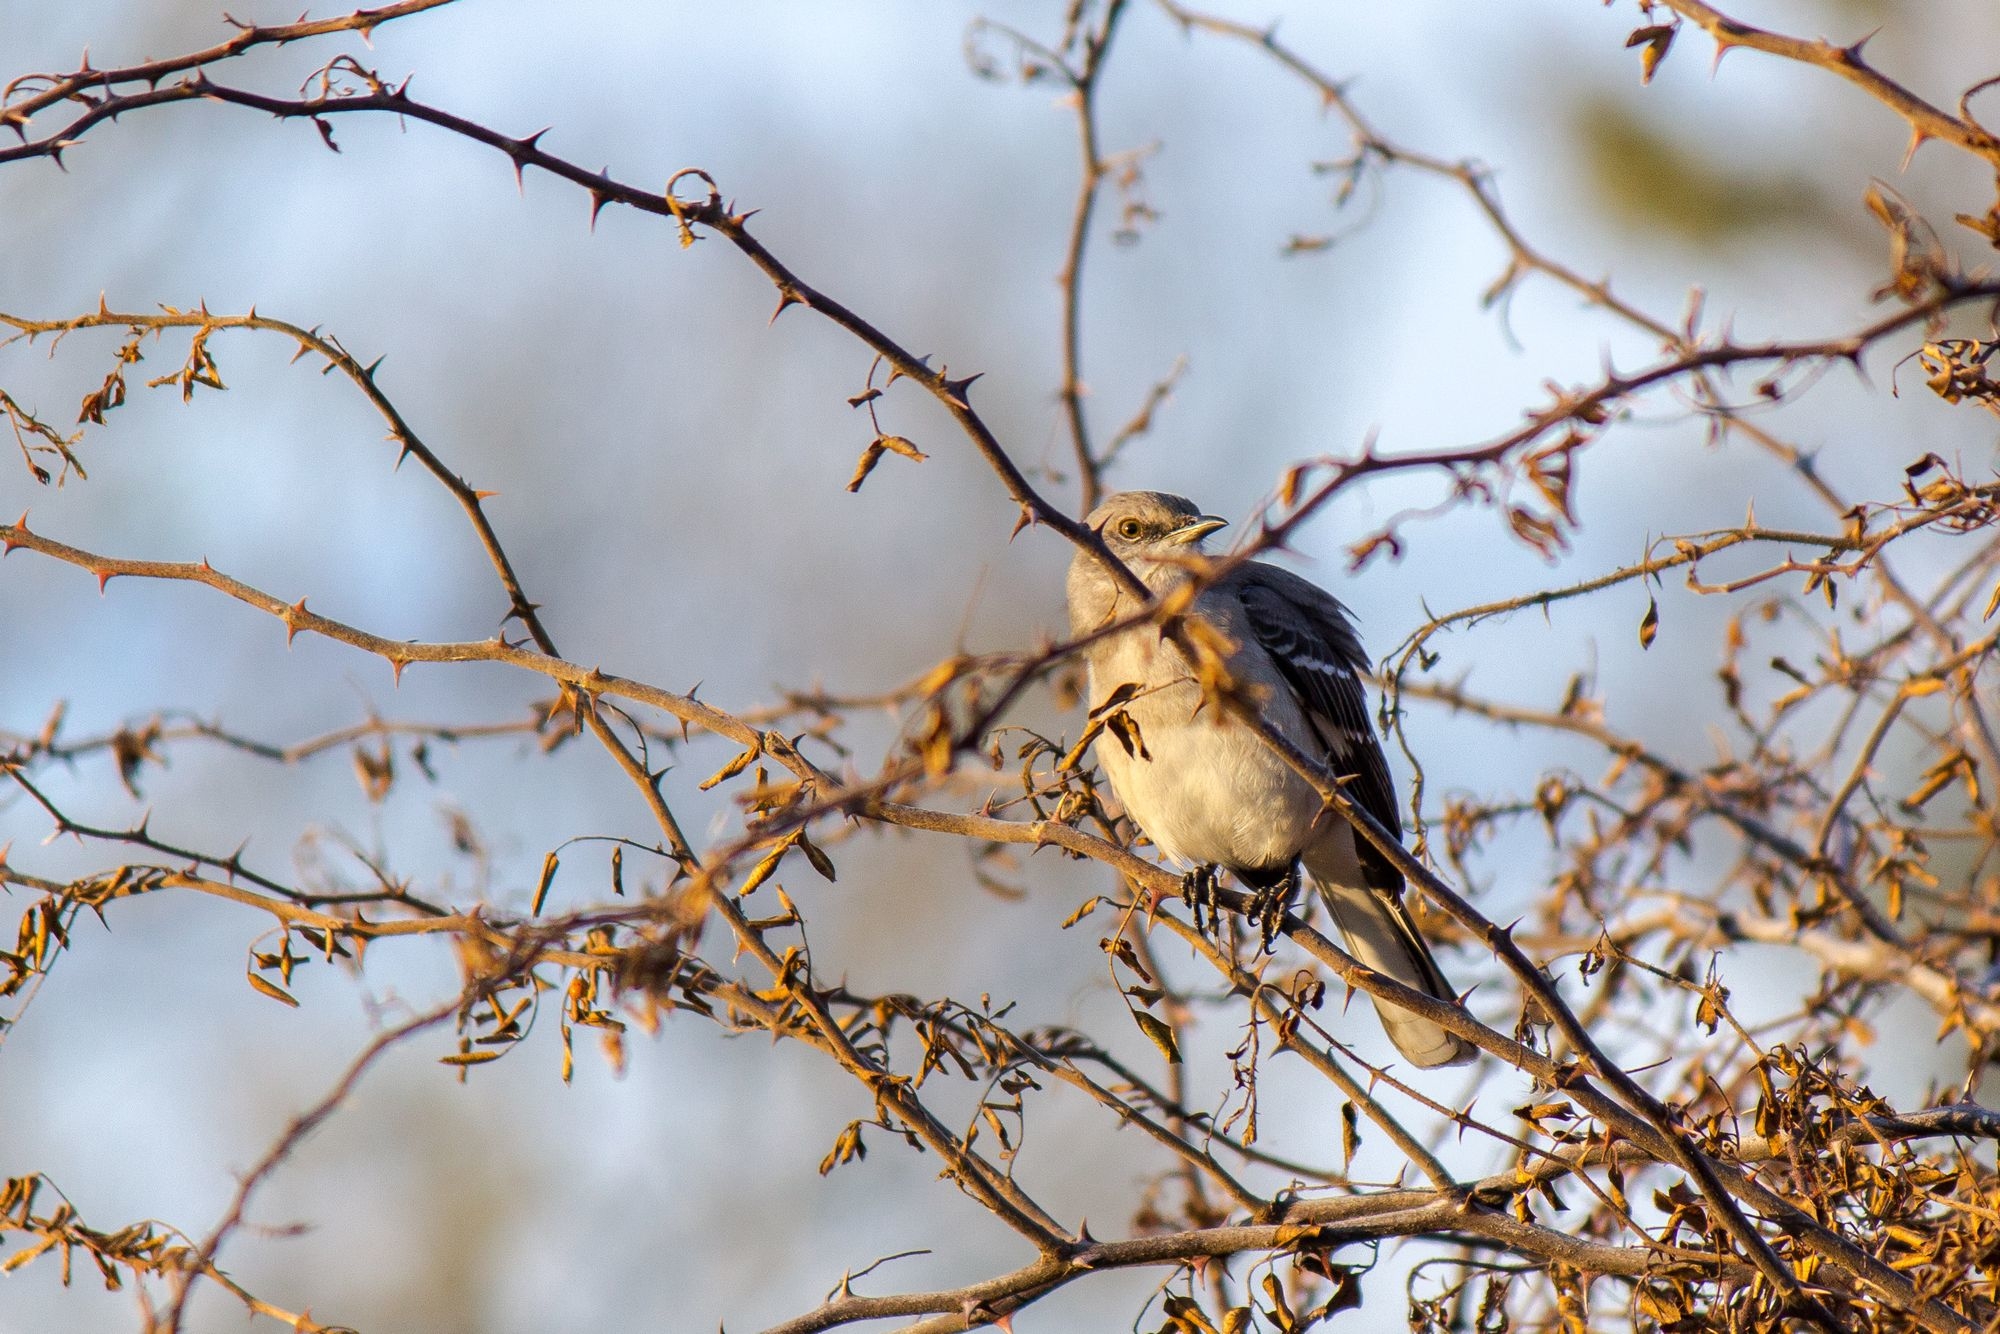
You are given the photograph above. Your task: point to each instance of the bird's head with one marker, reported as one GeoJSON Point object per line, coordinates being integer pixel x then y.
{"type": "Point", "coordinates": [1153, 534]}
{"type": "Point", "coordinates": [1144, 526]}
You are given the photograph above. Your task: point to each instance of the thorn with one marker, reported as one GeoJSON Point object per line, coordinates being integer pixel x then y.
{"type": "Point", "coordinates": [1917, 140]}
{"type": "Point", "coordinates": [955, 389]}
{"type": "Point", "coordinates": [522, 149]}
{"type": "Point", "coordinates": [368, 371]}
{"type": "Point", "coordinates": [20, 526]}
{"type": "Point", "coordinates": [896, 373]}
{"type": "Point", "coordinates": [104, 577]}
{"type": "Point", "coordinates": [786, 298]}
{"type": "Point", "coordinates": [396, 665]}
{"type": "Point", "coordinates": [1852, 54]}
{"type": "Point", "coordinates": [291, 615]}
{"type": "Point", "coordinates": [483, 495]}
{"type": "Point", "coordinates": [598, 199]}
{"type": "Point", "coordinates": [737, 220]}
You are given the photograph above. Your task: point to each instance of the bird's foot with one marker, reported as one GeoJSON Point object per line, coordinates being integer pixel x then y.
{"type": "Point", "coordinates": [1269, 905]}
{"type": "Point", "coordinates": [1198, 893]}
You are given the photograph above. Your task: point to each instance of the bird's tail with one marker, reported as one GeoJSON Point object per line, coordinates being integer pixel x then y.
{"type": "Point", "coordinates": [1380, 934]}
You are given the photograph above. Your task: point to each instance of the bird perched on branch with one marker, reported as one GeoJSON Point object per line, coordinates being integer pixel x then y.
{"type": "Point", "coordinates": [1199, 780]}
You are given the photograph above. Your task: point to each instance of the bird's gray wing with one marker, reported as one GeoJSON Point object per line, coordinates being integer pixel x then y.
{"type": "Point", "coordinates": [1308, 636]}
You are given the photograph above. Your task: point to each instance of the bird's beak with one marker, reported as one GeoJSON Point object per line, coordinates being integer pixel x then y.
{"type": "Point", "coordinates": [1199, 529]}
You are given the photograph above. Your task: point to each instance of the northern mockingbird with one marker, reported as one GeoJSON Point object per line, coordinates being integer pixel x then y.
{"type": "Point", "coordinates": [1207, 789]}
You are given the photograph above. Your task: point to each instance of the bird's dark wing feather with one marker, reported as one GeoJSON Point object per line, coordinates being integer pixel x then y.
{"type": "Point", "coordinates": [1308, 635]}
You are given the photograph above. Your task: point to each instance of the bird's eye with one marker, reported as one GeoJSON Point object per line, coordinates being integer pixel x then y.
{"type": "Point", "coordinates": [1131, 530]}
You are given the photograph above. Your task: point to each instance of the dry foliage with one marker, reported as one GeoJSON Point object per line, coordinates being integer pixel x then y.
{"type": "Point", "coordinates": [1712, 1176]}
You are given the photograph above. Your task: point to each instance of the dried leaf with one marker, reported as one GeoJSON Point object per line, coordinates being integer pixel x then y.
{"type": "Point", "coordinates": [1656, 38]}
{"type": "Point", "coordinates": [870, 456]}
{"type": "Point", "coordinates": [549, 864]}
{"type": "Point", "coordinates": [820, 861]}
{"type": "Point", "coordinates": [764, 869]}
{"type": "Point", "coordinates": [1121, 726]}
{"type": "Point", "coordinates": [730, 770]}
{"type": "Point", "coordinates": [1085, 909]}
{"type": "Point", "coordinates": [1538, 531]}
{"type": "Point", "coordinates": [1161, 1035]}
{"type": "Point", "coordinates": [464, 1058]}
{"type": "Point", "coordinates": [273, 990]}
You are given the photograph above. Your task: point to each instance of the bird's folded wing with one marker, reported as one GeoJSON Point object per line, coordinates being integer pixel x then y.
{"type": "Point", "coordinates": [1308, 637]}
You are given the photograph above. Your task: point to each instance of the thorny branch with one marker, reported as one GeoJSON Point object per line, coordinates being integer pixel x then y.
{"type": "Point", "coordinates": [1782, 1191]}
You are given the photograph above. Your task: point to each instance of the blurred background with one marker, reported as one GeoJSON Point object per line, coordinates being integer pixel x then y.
{"type": "Point", "coordinates": [671, 473]}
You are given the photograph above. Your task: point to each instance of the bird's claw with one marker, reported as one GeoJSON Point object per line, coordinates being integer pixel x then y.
{"type": "Point", "coordinates": [1198, 893]}
{"type": "Point", "coordinates": [1268, 907]}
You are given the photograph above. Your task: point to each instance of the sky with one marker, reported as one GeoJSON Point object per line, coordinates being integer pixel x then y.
{"type": "Point", "coordinates": [671, 469]}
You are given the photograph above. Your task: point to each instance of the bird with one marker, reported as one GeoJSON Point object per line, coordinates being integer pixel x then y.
{"type": "Point", "coordinates": [1204, 786]}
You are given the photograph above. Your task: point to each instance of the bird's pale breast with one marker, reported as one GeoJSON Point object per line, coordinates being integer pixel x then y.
{"type": "Point", "coordinates": [1208, 789]}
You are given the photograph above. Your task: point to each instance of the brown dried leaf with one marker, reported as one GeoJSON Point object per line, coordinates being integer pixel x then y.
{"type": "Point", "coordinates": [730, 770]}
{"type": "Point", "coordinates": [465, 1058]}
{"type": "Point", "coordinates": [1538, 531]}
{"type": "Point", "coordinates": [1656, 38]}
{"type": "Point", "coordinates": [870, 456]}
{"type": "Point", "coordinates": [816, 855]}
{"type": "Point", "coordinates": [549, 864]}
{"type": "Point", "coordinates": [764, 869]}
{"type": "Point", "coordinates": [1121, 726]}
{"type": "Point", "coordinates": [896, 444]}
{"type": "Point", "coordinates": [1161, 1035]}
{"type": "Point", "coordinates": [1084, 909]}
{"type": "Point", "coordinates": [273, 990]}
